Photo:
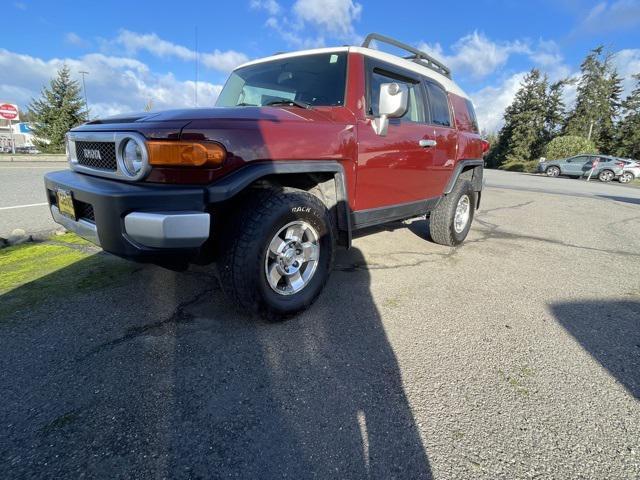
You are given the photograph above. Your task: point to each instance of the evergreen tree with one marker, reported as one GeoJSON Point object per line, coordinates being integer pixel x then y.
{"type": "Point", "coordinates": [521, 137]}
{"type": "Point", "coordinates": [555, 115]}
{"type": "Point", "coordinates": [59, 109]}
{"type": "Point", "coordinates": [628, 132]}
{"type": "Point", "coordinates": [609, 130]}
{"type": "Point", "coordinates": [597, 102]}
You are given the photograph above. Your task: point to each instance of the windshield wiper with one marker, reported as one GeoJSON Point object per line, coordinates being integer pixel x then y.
{"type": "Point", "coordinates": [246, 104]}
{"type": "Point", "coordinates": [287, 101]}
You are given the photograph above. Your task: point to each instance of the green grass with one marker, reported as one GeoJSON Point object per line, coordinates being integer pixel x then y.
{"type": "Point", "coordinates": [59, 267]}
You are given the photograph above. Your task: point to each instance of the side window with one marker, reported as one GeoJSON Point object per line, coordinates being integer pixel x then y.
{"type": "Point", "coordinates": [472, 114]}
{"type": "Point", "coordinates": [439, 104]}
{"type": "Point", "coordinates": [415, 110]}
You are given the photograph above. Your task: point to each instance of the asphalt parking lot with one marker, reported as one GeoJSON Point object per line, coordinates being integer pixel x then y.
{"type": "Point", "coordinates": [23, 203]}
{"type": "Point", "coordinates": [514, 356]}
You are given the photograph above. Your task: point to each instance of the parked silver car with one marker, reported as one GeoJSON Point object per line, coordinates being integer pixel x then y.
{"type": "Point", "coordinates": [604, 167]}
{"type": "Point", "coordinates": [630, 171]}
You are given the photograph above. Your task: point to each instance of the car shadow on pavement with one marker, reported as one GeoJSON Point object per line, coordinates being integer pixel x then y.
{"type": "Point", "coordinates": [610, 331]}
{"type": "Point", "coordinates": [632, 200]}
{"type": "Point", "coordinates": [419, 226]}
{"type": "Point", "coordinates": [158, 376]}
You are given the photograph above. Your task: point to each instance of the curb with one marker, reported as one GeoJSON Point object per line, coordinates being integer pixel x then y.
{"type": "Point", "coordinates": [33, 159]}
{"type": "Point", "coordinates": [19, 236]}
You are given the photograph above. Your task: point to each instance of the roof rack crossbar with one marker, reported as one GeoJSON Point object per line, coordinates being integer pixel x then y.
{"type": "Point", "coordinates": [417, 56]}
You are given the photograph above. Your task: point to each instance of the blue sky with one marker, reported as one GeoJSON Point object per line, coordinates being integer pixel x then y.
{"type": "Point", "coordinates": [136, 51]}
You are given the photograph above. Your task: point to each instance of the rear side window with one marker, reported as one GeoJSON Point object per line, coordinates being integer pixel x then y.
{"type": "Point", "coordinates": [464, 114]}
{"type": "Point", "coordinates": [472, 115]}
{"type": "Point", "coordinates": [415, 110]}
{"type": "Point", "coordinates": [439, 105]}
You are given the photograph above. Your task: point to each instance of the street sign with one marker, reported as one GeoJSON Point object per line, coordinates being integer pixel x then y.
{"type": "Point", "coordinates": [9, 111]}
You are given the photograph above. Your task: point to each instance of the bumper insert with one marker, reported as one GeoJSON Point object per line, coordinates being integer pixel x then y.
{"type": "Point", "coordinates": [168, 230]}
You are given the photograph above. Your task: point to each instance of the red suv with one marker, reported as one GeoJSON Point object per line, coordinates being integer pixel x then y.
{"type": "Point", "coordinates": [301, 150]}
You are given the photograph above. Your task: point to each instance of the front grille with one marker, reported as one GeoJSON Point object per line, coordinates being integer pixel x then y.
{"type": "Point", "coordinates": [85, 211]}
{"type": "Point", "coordinates": [98, 155]}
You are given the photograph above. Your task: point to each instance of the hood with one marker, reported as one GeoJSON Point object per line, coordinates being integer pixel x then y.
{"type": "Point", "coordinates": [186, 115]}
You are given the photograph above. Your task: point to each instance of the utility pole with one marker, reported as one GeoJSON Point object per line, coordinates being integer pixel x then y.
{"type": "Point", "coordinates": [84, 90]}
{"type": "Point", "coordinates": [590, 130]}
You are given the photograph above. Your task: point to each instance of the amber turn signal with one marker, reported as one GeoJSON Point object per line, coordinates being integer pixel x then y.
{"type": "Point", "coordinates": [185, 154]}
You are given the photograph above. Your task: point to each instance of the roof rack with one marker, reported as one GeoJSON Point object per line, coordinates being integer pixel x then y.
{"type": "Point", "coordinates": [416, 56]}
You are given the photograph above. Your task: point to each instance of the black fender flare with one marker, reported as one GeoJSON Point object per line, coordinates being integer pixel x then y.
{"type": "Point", "coordinates": [478, 170]}
{"type": "Point", "coordinates": [234, 183]}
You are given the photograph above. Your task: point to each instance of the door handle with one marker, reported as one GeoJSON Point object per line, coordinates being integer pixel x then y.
{"type": "Point", "coordinates": [427, 143]}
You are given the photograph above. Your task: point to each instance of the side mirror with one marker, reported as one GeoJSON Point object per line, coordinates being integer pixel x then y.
{"type": "Point", "coordinates": [393, 103]}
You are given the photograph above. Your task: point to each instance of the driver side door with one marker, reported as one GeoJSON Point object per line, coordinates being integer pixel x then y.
{"type": "Point", "coordinates": [393, 170]}
{"type": "Point", "coordinates": [574, 166]}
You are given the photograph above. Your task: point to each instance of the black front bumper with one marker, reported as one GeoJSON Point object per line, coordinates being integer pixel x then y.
{"type": "Point", "coordinates": [105, 203]}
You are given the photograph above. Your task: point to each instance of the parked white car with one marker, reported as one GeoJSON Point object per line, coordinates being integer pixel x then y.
{"type": "Point", "coordinates": [630, 171]}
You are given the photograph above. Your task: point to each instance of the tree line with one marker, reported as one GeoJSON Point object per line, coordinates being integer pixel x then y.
{"type": "Point", "coordinates": [537, 123]}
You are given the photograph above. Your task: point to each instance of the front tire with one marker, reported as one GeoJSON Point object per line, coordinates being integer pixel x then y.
{"type": "Point", "coordinates": [450, 221]}
{"type": "Point", "coordinates": [606, 176]}
{"type": "Point", "coordinates": [277, 259]}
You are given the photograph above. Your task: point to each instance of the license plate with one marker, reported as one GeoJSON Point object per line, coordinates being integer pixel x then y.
{"type": "Point", "coordinates": [65, 204]}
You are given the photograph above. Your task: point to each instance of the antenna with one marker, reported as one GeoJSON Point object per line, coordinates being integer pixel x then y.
{"type": "Point", "coordinates": [196, 92]}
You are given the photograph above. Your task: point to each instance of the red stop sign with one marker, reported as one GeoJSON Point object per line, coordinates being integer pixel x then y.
{"type": "Point", "coordinates": [8, 111]}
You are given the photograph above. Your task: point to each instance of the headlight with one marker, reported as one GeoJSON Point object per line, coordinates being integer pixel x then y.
{"type": "Point", "coordinates": [132, 157]}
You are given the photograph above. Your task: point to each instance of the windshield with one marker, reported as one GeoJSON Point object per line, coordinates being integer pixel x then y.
{"type": "Point", "coordinates": [315, 80]}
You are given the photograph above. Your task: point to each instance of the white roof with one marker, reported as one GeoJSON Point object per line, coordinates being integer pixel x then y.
{"type": "Point", "coordinates": [446, 82]}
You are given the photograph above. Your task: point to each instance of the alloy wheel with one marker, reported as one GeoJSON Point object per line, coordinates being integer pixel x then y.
{"type": "Point", "coordinates": [463, 211]}
{"type": "Point", "coordinates": [292, 257]}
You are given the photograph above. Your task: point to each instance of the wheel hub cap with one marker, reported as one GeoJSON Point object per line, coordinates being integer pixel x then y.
{"type": "Point", "coordinates": [292, 258]}
{"type": "Point", "coordinates": [463, 211]}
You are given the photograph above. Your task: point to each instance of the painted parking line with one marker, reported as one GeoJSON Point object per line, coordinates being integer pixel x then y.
{"type": "Point", "coordinates": [24, 206]}
{"type": "Point", "coordinates": [26, 167]}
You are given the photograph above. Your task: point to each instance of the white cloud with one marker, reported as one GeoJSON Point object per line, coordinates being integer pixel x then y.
{"type": "Point", "coordinates": [475, 55]}
{"type": "Point", "coordinates": [335, 17]}
{"type": "Point", "coordinates": [491, 101]}
{"type": "Point", "coordinates": [223, 61]}
{"type": "Point", "coordinates": [74, 39]}
{"type": "Point", "coordinates": [627, 63]}
{"type": "Point", "coordinates": [270, 6]}
{"type": "Point", "coordinates": [150, 42]}
{"type": "Point", "coordinates": [114, 84]}
{"type": "Point", "coordinates": [309, 22]}
{"type": "Point", "coordinates": [293, 37]}
{"type": "Point", "coordinates": [608, 16]}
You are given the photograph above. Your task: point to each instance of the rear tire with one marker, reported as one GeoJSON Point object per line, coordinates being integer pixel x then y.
{"type": "Point", "coordinates": [450, 221]}
{"type": "Point", "coordinates": [626, 177]}
{"type": "Point", "coordinates": [606, 176]}
{"type": "Point", "coordinates": [273, 231]}
{"type": "Point", "coordinates": [552, 171]}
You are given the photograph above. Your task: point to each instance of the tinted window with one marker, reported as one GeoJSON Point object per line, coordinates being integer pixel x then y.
{"type": "Point", "coordinates": [439, 105]}
{"type": "Point", "coordinates": [314, 79]}
{"type": "Point", "coordinates": [472, 114]}
{"type": "Point", "coordinates": [415, 110]}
